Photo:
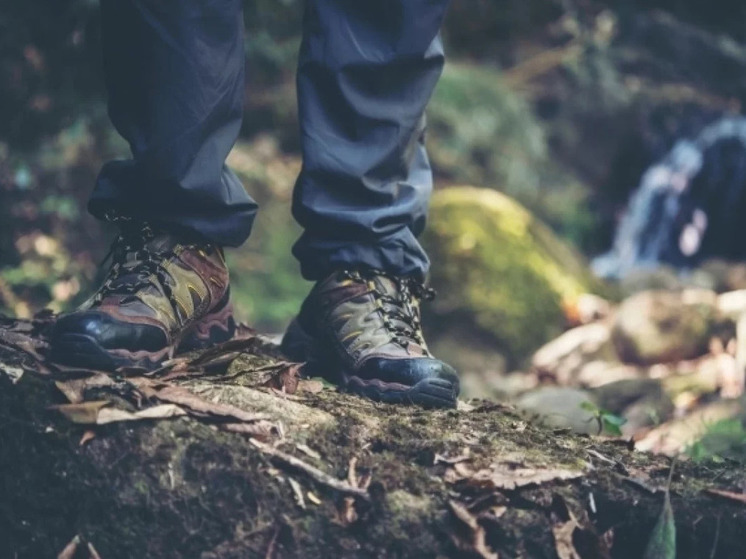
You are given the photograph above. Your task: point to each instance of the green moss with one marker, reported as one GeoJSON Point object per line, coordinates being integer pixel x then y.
{"type": "Point", "coordinates": [498, 270]}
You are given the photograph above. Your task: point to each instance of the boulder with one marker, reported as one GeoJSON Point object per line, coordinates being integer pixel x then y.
{"type": "Point", "coordinates": [661, 326]}
{"type": "Point", "coordinates": [498, 270]}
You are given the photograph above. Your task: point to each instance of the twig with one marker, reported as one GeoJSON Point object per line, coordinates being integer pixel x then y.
{"type": "Point", "coordinates": [311, 471]}
{"type": "Point", "coordinates": [717, 537]}
{"type": "Point", "coordinates": [272, 547]}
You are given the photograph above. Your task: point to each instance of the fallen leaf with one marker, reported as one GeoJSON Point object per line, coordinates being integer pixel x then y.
{"type": "Point", "coordinates": [193, 403]}
{"type": "Point", "coordinates": [739, 497]}
{"type": "Point", "coordinates": [92, 553]}
{"type": "Point", "coordinates": [69, 551]}
{"type": "Point", "coordinates": [451, 460]}
{"type": "Point", "coordinates": [347, 513]}
{"type": "Point", "coordinates": [297, 493]}
{"type": "Point", "coordinates": [75, 389]}
{"type": "Point", "coordinates": [85, 412]}
{"type": "Point", "coordinates": [473, 537]}
{"type": "Point", "coordinates": [313, 498]}
{"type": "Point", "coordinates": [250, 344]}
{"type": "Point", "coordinates": [563, 539]}
{"type": "Point", "coordinates": [464, 407]}
{"type": "Point", "coordinates": [261, 429]}
{"type": "Point", "coordinates": [312, 386]}
{"type": "Point", "coordinates": [15, 373]}
{"type": "Point", "coordinates": [162, 411]}
{"type": "Point", "coordinates": [458, 472]}
{"type": "Point", "coordinates": [662, 544]}
{"type": "Point", "coordinates": [502, 476]}
{"type": "Point", "coordinates": [87, 436]}
{"type": "Point", "coordinates": [286, 377]}
{"type": "Point", "coordinates": [308, 451]}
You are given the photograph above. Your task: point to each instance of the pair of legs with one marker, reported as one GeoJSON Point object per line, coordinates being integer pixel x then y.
{"type": "Point", "coordinates": [175, 77]}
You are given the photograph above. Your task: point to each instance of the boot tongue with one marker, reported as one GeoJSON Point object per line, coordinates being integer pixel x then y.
{"type": "Point", "coordinates": [387, 286]}
{"type": "Point", "coordinates": [399, 304]}
{"type": "Point", "coordinates": [142, 244]}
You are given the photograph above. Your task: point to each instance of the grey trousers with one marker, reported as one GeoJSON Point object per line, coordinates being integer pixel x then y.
{"type": "Point", "coordinates": [175, 78]}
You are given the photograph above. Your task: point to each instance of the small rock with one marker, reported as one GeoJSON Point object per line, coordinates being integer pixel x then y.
{"type": "Point", "coordinates": [564, 357]}
{"type": "Point", "coordinates": [732, 304]}
{"type": "Point", "coordinates": [642, 402]}
{"type": "Point", "coordinates": [600, 372]}
{"type": "Point", "coordinates": [561, 408]}
{"type": "Point", "coordinates": [662, 326]}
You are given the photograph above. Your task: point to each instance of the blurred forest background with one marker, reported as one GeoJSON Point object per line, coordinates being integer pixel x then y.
{"type": "Point", "coordinates": [560, 105]}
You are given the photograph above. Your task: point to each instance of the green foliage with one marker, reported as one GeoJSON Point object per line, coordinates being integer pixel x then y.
{"type": "Point", "coordinates": [607, 421]}
{"type": "Point", "coordinates": [482, 132]}
{"type": "Point", "coordinates": [662, 543]}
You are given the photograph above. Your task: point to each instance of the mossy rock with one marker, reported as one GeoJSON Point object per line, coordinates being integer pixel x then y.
{"type": "Point", "coordinates": [181, 488]}
{"type": "Point", "coordinates": [499, 271]}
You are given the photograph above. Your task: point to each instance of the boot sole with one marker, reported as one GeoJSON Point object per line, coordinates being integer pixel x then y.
{"type": "Point", "coordinates": [429, 393]}
{"type": "Point", "coordinates": [80, 350]}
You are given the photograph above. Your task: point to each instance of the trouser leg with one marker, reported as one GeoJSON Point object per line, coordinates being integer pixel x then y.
{"type": "Point", "coordinates": [175, 77]}
{"type": "Point", "coordinates": [366, 73]}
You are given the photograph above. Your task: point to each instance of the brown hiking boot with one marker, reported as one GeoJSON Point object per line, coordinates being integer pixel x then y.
{"type": "Point", "coordinates": [161, 293]}
{"type": "Point", "coordinates": [362, 330]}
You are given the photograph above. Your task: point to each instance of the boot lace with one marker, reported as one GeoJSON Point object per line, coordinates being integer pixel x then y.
{"type": "Point", "coordinates": [399, 311]}
{"type": "Point", "coordinates": [131, 256]}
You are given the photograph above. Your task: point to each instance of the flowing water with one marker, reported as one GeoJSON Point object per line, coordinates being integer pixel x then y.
{"type": "Point", "coordinates": [689, 206]}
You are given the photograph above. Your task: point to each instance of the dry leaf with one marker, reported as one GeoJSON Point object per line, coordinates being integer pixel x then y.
{"type": "Point", "coordinates": [163, 411]}
{"type": "Point", "coordinates": [502, 476]}
{"type": "Point", "coordinates": [193, 403]}
{"type": "Point", "coordinates": [15, 373]}
{"type": "Point", "coordinates": [70, 549]}
{"type": "Point", "coordinates": [313, 498]}
{"type": "Point", "coordinates": [311, 386]}
{"type": "Point", "coordinates": [92, 553]}
{"type": "Point", "coordinates": [297, 493]}
{"type": "Point", "coordinates": [458, 472]}
{"type": "Point", "coordinates": [87, 436]}
{"type": "Point", "coordinates": [74, 390]}
{"type": "Point", "coordinates": [739, 497]}
{"type": "Point", "coordinates": [260, 429]}
{"type": "Point", "coordinates": [346, 511]}
{"type": "Point", "coordinates": [85, 413]}
{"type": "Point", "coordinates": [563, 539]}
{"type": "Point", "coordinates": [285, 377]}
{"type": "Point", "coordinates": [451, 460]}
{"type": "Point", "coordinates": [308, 451]}
{"type": "Point", "coordinates": [475, 542]}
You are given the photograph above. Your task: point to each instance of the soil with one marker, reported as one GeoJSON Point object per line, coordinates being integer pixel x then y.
{"type": "Point", "coordinates": [183, 487]}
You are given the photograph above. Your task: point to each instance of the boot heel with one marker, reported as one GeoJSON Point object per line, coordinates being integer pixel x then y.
{"type": "Point", "coordinates": [299, 346]}
{"type": "Point", "coordinates": [296, 344]}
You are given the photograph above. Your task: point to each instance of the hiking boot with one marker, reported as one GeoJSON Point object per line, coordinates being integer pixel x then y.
{"type": "Point", "coordinates": [162, 293]}
{"type": "Point", "coordinates": [361, 329]}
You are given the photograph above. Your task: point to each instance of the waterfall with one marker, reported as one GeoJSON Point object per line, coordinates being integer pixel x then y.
{"type": "Point", "coordinates": [689, 206]}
